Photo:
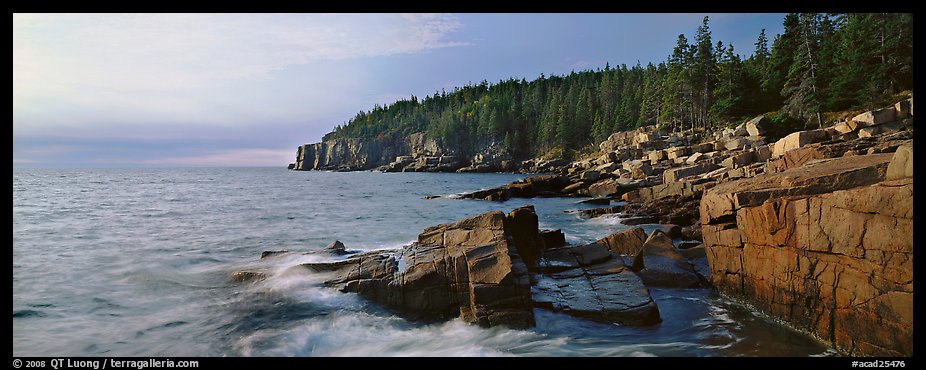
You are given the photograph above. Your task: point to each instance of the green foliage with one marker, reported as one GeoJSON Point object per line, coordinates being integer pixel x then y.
{"type": "Point", "coordinates": [820, 62]}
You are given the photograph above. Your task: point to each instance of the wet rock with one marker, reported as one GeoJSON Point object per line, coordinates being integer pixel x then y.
{"type": "Point", "coordinates": [596, 212]}
{"type": "Point", "coordinates": [692, 231]}
{"type": "Point", "coordinates": [246, 276]}
{"type": "Point", "coordinates": [521, 190]}
{"type": "Point", "coordinates": [617, 297]}
{"type": "Point", "coordinates": [590, 283]}
{"type": "Point", "coordinates": [596, 201]}
{"type": "Point", "coordinates": [335, 248]}
{"type": "Point", "coordinates": [659, 264]}
{"type": "Point", "coordinates": [688, 244]}
{"type": "Point", "coordinates": [267, 254]}
{"type": "Point", "coordinates": [521, 224]}
{"type": "Point", "coordinates": [553, 238]}
{"type": "Point", "coordinates": [470, 268]}
{"type": "Point", "coordinates": [640, 220]}
{"type": "Point", "coordinates": [573, 188]}
{"type": "Point", "coordinates": [673, 231]}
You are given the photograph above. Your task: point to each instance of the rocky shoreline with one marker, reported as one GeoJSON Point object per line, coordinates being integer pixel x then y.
{"type": "Point", "coordinates": [814, 228]}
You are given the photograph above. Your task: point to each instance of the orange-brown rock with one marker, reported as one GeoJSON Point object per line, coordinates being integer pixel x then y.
{"type": "Point", "coordinates": [475, 269]}
{"type": "Point", "coordinates": [470, 268]}
{"type": "Point", "coordinates": [827, 247]}
{"type": "Point", "coordinates": [628, 242]}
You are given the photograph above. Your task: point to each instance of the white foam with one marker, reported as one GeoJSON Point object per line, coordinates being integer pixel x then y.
{"type": "Point", "coordinates": [361, 334]}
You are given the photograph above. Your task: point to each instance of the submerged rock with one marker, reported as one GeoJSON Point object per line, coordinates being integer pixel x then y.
{"type": "Point", "coordinates": [246, 276]}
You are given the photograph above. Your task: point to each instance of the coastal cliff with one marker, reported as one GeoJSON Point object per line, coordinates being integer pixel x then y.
{"type": "Point", "coordinates": [413, 153]}
{"type": "Point", "coordinates": [827, 247]}
{"type": "Point", "coordinates": [814, 227]}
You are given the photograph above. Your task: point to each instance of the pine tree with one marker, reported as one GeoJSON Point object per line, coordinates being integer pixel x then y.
{"type": "Point", "coordinates": [801, 90]}
{"type": "Point", "coordinates": [782, 57]}
{"type": "Point", "coordinates": [703, 76]}
{"type": "Point", "coordinates": [676, 92]}
{"type": "Point", "coordinates": [821, 62]}
{"type": "Point", "coordinates": [728, 91]}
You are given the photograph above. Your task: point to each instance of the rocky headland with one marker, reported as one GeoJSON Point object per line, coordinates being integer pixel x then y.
{"type": "Point", "coordinates": [814, 228]}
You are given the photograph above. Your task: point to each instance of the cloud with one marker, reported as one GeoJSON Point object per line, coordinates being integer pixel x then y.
{"type": "Point", "coordinates": [139, 52]}
{"type": "Point", "coordinates": [231, 158]}
{"type": "Point", "coordinates": [130, 75]}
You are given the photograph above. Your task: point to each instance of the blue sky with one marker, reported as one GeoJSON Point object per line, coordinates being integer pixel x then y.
{"type": "Point", "coordinates": [171, 90]}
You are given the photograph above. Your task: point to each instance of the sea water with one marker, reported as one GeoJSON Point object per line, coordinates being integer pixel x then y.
{"type": "Point", "coordinates": [136, 262]}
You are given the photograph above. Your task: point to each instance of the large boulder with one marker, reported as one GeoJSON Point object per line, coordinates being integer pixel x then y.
{"type": "Point", "coordinates": [656, 155]}
{"type": "Point", "coordinates": [737, 160]}
{"type": "Point", "coordinates": [876, 117]}
{"type": "Point", "coordinates": [336, 248]}
{"type": "Point", "coordinates": [880, 129]}
{"type": "Point", "coordinates": [904, 108]}
{"type": "Point", "coordinates": [674, 174]}
{"type": "Point", "coordinates": [796, 140]}
{"type": "Point", "coordinates": [521, 225]}
{"type": "Point", "coordinates": [639, 169]}
{"type": "Point", "coordinates": [470, 268]}
{"type": "Point", "coordinates": [845, 127]}
{"type": "Point", "coordinates": [677, 152]}
{"type": "Point", "coordinates": [590, 175]}
{"type": "Point", "coordinates": [736, 143]}
{"type": "Point", "coordinates": [758, 126]}
{"type": "Point", "coordinates": [659, 264]}
{"type": "Point", "coordinates": [628, 242]}
{"type": "Point", "coordinates": [901, 165]}
{"type": "Point", "coordinates": [604, 188]}
{"type": "Point", "coordinates": [827, 247]}
{"type": "Point", "coordinates": [694, 158]}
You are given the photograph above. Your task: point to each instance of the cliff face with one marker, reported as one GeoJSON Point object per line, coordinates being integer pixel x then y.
{"type": "Point", "coordinates": [415, 152]}
{"type": "Point", "coordinates": [364, 154]}
{"type": "Point", "coordinates": [827, 246]}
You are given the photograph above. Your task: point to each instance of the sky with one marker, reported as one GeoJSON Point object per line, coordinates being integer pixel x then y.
{"type": "Point", "coordinates": [229, 90]}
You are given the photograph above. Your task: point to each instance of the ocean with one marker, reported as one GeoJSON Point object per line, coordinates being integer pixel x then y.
{"type": "Point", "coordinates": [136, 262]}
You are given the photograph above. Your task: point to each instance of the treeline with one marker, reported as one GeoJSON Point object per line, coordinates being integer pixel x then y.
{"type": "Point", "coordinates": [821, 62]}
